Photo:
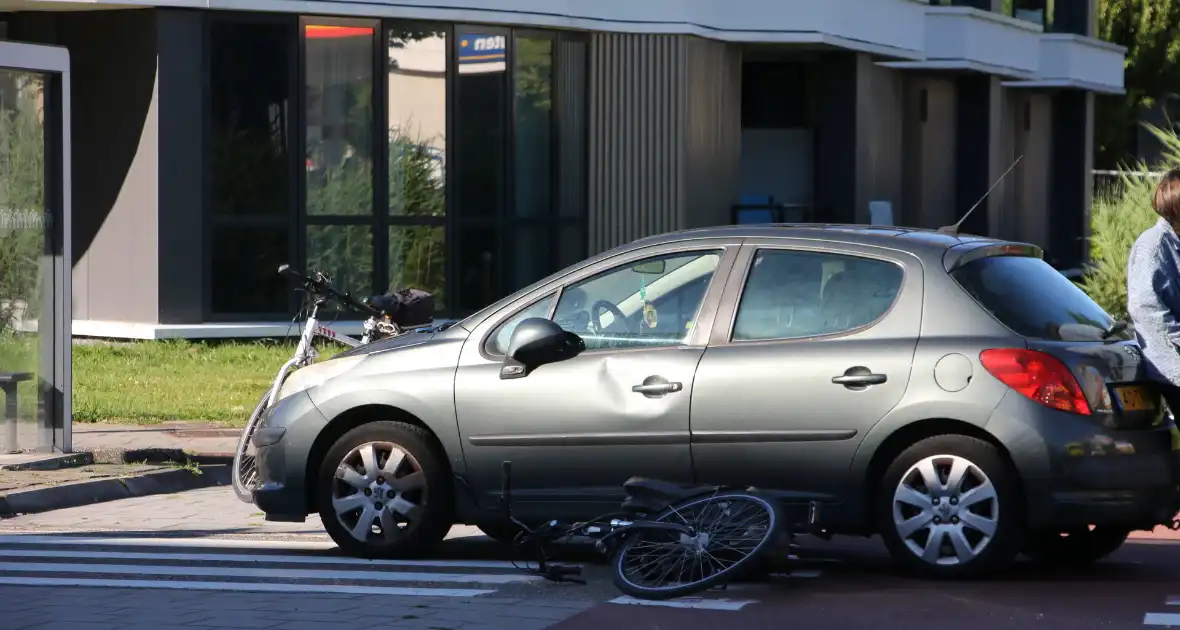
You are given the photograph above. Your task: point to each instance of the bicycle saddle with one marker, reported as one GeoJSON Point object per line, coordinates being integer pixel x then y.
{"type": "Point", "coordinates": [653, 495]}
{"type": "Point", "coordinates": [387, 304]}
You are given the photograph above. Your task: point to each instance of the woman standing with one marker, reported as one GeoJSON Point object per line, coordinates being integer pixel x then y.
{"type": "Point", "coordinates": [1153, 289]}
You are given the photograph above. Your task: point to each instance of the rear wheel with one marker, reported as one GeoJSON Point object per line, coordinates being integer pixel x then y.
{"type": "Point", "coordinates": [950, 507]}
{"type": "Point", "coordinates": [384, 491]}
{"type": "Point", "coordinates": [244, 477]}
{"type": "Point", "coordinates": [1075, 548]}
{"type": "Point", "coordinates": [732, 530]}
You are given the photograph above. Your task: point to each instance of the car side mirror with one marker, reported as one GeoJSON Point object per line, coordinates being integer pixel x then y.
{"type": "Point", "coordinates": [536, 342]}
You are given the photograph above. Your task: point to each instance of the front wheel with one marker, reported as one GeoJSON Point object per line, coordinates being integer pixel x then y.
{"type": "Point", "coordinates": [732, 529]}
{"type": "Point", "coordinates": [384, 491]}
{"type": "Point", "coordinates": [244, 476]}
{"type": "Point", "coordinates": [1076, 548]}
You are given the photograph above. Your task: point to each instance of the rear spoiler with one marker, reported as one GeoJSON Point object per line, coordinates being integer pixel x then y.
{"type": "Point", "coordinates": [965, 253]}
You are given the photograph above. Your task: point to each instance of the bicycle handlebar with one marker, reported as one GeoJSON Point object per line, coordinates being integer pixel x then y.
{"type": "Point", "coordinates": [320, 285]}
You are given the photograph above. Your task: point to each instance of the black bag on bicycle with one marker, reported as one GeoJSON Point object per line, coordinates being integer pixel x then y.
{"type": "Point", "coordinates": [413, 308]}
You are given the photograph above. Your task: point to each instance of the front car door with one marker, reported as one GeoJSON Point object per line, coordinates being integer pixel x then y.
{"type": "Point", "coordinates": [577, 429]}
{"type": "Point", "coordinates": [811, 346]}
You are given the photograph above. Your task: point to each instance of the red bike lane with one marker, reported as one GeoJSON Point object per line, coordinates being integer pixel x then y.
{"type": "Point", "coordinates": [1125, 591]}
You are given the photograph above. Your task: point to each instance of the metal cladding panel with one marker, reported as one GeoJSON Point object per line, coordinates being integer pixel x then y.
{"type": "Point", "coordinates": [638, 111]}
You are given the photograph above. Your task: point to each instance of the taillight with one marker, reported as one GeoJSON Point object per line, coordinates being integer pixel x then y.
{"type": "Point", "coordinates": [1037, 375]}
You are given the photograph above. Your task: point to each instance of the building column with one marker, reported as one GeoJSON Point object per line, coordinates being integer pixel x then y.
{"type": "Point", "coordinates": [181, 167]}
{"type": "Point", "coordinates": [976, 149]}
{"type": "Point", "coordinates": [832, 83]}
{"type": "Point", "coordinates": [1071, 191]}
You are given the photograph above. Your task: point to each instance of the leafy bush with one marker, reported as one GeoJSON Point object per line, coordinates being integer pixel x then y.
{"type": "Point", "coordinates": [22, 198]}
{"type": "Point", "coordinates": [1119, 215]}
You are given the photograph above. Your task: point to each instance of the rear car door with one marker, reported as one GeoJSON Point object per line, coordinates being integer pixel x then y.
{"type": "Point", "coordinates": [811, 346]}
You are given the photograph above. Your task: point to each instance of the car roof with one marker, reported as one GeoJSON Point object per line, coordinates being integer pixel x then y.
{"type": "Point", "coordinates": [884, 236]}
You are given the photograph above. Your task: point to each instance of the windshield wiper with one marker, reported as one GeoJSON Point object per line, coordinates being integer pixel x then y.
{"type": "Point", "coordinates": [1117, 328]}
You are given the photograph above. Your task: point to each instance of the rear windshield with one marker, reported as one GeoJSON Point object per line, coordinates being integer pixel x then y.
{"type": "Point", "coordinates": [1034, 300]}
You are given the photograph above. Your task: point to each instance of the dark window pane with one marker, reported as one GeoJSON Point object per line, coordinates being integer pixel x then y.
{"type": "Point", "coordinates": [794, 294]}
{"type": "Point", "coordinates": [478, 274]}
{"type": "Point", "coordinates": [417, 121]}
{"type": "Point", "coordinates": [772, 94]}
{"type": "Point", "coordinates": [1033, 299]}
{"type": "Point", "coordinates": [498, 342]}
{"type": "Point", "coordinates": [647, 303]}
{"type": "Point", "coordinates": [572, 104]}
{"type": "Point", "coordinates": [533, 75]}
{"type": "Point", "coordinates": [529, 249]}
{"type": "Point", "coordinates": [479, 119]}
{"type": "Point", "coordinates": [339, 126]}
{"type": "Point", "coordinates": [571, 246]}
{"type": "Point", "coordinates": [418, 260]}
{"type": "Point", "coordinates": [345, 254]}
{"type": "Point", "coordinates": [245, 275]}
{"type": "Point", "coordinates": [250, 95]}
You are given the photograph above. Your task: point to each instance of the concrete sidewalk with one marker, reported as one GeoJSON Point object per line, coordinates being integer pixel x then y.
{"type": "Point", "coordinates": [117, 461]}
{"type": "Point", "coordinates": [191, 437]}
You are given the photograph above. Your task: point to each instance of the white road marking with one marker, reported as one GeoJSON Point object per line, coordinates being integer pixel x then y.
{"type": "Point", "coordinates": [687, 602]}
{"type": "Point", "coordinates": [806, 573]}
{"type": "Point", "coordinates": [223, 543]}
{"type": "Point", "coordinates": [245, 587]}
{"type": "Point", "coordinates": [1162, 619]}
{"type": "Point", "coordinates": [235, 543]}
{"type": "Point", "coordinates": [1174, 600]}
{"type": "Point", "coordinates": [219, 557]}
{"type": "Point", "coordinates": [244, 572]}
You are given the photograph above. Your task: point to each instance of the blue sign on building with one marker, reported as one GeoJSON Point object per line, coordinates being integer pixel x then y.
{"type": "Point", "coordinates": [481, 49]}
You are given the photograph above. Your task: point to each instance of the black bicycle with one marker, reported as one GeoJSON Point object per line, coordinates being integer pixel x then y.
{"type": "Point", "coordinates": [668, 541]}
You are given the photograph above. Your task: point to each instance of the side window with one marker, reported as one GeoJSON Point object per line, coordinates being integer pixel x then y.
{"type": "Point", "coordinates": [647, 303]}
{"type": "Point", "coordinates": [792, 294]}
{"type": "Point", "coordinates": [497, 343]}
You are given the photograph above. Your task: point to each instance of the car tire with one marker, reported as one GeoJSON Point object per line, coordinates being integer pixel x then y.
{"type": "Point", "coordinates": [979, 530]}
{"type": "Point", "coordinates": [420, 492]}
{"type": "Point", "coordinates": [1077, 548]}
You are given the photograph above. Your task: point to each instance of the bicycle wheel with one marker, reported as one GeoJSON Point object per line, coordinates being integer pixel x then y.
{"type": "Point", "coordinates": [244, 475]}
{"type": "Point", "coordinates": [733, 529]}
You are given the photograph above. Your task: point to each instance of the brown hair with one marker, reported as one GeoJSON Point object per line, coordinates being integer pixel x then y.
{"type": "Point", "coordinates": [1166, 201]}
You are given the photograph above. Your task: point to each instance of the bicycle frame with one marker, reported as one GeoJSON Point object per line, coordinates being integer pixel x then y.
{"type": "Point", "coordinates": [305, 353]}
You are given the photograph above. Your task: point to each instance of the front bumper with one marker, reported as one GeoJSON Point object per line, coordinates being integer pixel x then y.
{"type": "Point", "coordinates": [1076, 472]}
{"type": "Point", "coordinates": [284, 442]}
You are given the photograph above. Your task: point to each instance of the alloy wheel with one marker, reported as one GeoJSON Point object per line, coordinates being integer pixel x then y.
{"type": "Point", "coordinates": [379, 492]}
{"type": "Point", "coordinates": [945, 510]}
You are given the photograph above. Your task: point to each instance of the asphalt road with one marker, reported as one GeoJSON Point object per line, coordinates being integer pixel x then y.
{"type": "Point", "coordinates": [202, 561]}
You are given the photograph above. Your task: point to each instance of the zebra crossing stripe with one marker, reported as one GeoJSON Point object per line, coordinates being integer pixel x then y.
{"type": "Point", "coordinates": [245, 587]}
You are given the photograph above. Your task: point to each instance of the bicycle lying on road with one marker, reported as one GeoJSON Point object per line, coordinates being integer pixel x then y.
{"type": "Point", "coordinates": [384, 313]}
{"type": "Point", "coordinates": [668, 541]}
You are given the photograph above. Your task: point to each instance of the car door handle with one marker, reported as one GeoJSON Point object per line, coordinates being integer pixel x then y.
{"type": "Point", "coordinates": [657, 389]}
{"type": "Point", "coordinates": [859, 376]}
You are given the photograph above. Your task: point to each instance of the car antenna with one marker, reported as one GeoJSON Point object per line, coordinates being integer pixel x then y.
{"type": "Point", "coordinates": [953, 230]}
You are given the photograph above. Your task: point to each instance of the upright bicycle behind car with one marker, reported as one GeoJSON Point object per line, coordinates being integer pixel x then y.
{"type": "Point", "coordinates": [388, 316]}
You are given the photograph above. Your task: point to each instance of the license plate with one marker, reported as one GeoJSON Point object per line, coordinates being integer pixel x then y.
{"type": "Point", "coordinates": [1134, 398]}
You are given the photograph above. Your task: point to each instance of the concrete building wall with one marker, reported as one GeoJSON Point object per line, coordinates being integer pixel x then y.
{"type": "Point", "coordinates": [880, 107]}
{"type": "Point", "coordinates": [116, 143]}
{"type": "Point", "coordinates": [929, 127]}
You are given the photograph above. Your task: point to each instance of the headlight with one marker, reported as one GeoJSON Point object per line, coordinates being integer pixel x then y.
{"type": "Point", "coordinates": [317, 373]}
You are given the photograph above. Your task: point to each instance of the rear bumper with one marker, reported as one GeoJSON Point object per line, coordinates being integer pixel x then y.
{"type": "Point", "coordinates": [1076, 472]}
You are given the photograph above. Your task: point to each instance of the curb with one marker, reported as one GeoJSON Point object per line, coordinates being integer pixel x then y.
{"type": "Point", "coordinates": [103, 490]}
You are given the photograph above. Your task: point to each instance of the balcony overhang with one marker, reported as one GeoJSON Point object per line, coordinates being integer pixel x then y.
{"type": "Point", "coordinates": [966, 39]}
{"type": "Point", "coordinates": [1069, 61]}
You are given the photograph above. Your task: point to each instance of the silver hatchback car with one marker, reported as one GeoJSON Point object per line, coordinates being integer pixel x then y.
{"type": "Point", "coordinates": [953, 394]}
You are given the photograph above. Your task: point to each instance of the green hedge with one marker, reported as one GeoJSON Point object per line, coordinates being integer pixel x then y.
{"type": "Point", "coordinates": [1119, 215]}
